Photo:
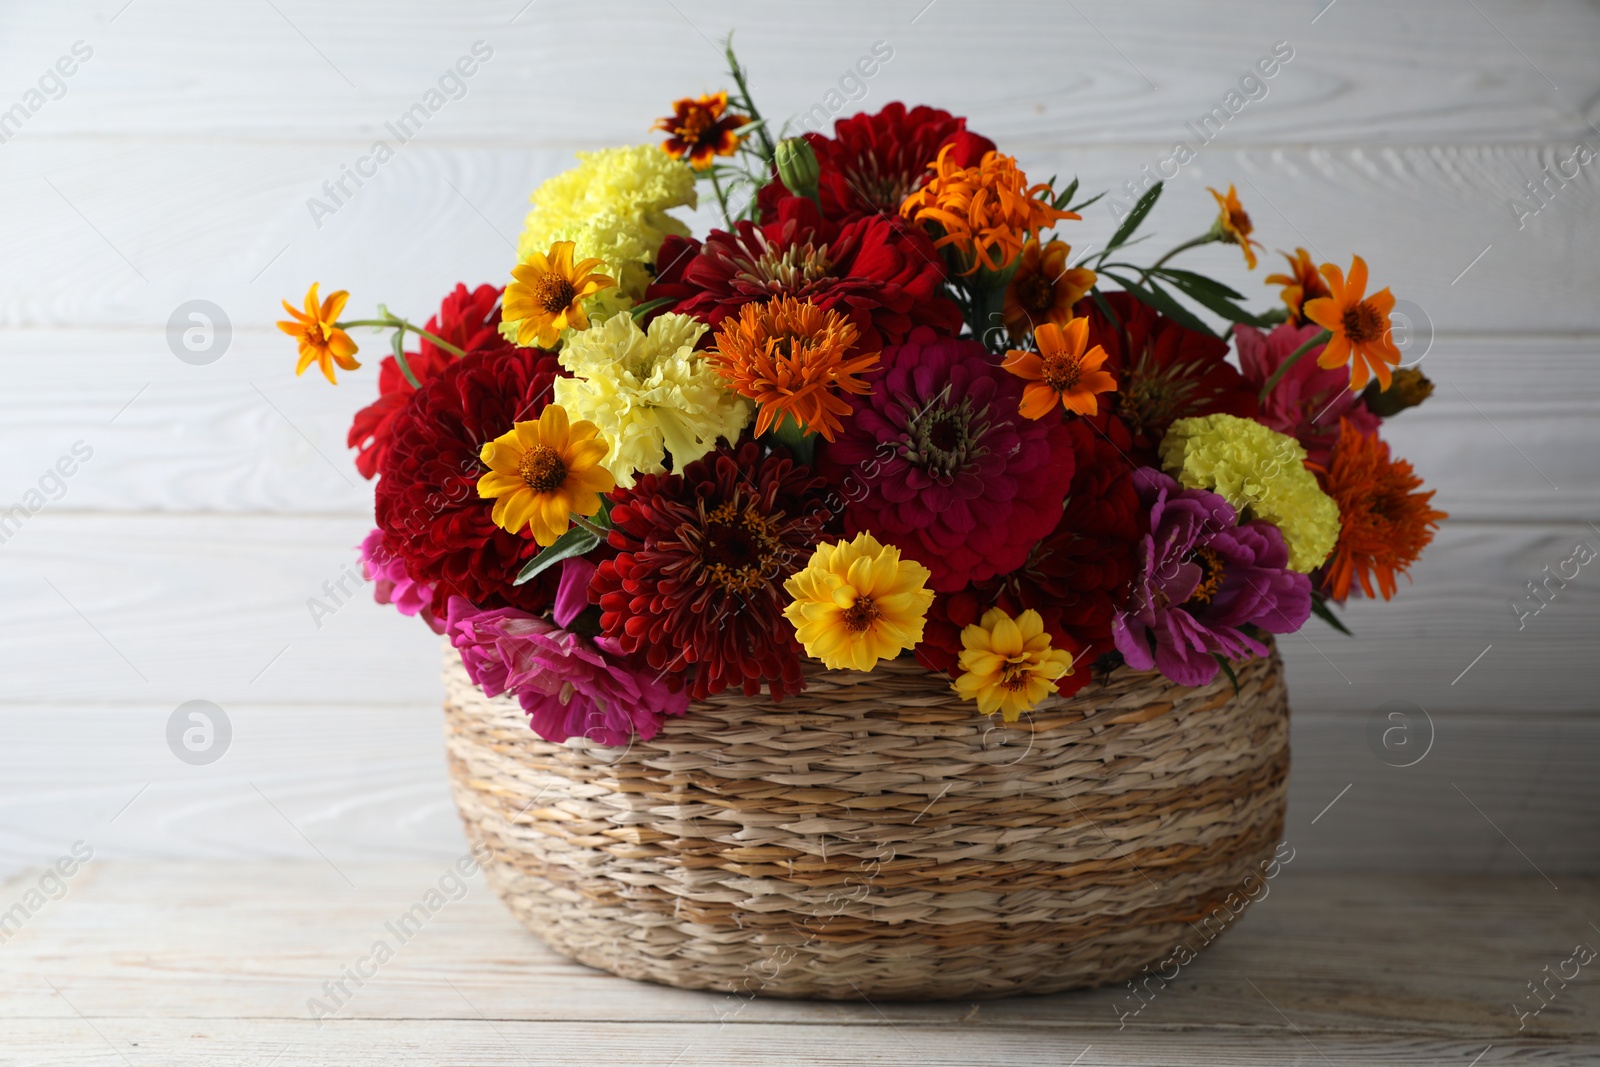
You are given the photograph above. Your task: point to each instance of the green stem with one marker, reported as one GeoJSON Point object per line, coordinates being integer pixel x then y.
{"type": "Point", "coordinates": [1204, 239]}
{"type": "Point", "coordinates": [598, 531]}
{"type": "Point", "coordinates": [722, 200]}
{"type": "Point", "coordinates": [768, 149]}
{"type": "Point", "coordinates": [1277, 375]}
{"type": "Point", "coordinates": [395, 322]}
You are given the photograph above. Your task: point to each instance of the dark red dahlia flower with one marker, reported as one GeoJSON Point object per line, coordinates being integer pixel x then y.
{"type": "Point", "coordinates": [468, 320]}
{"type": "Point", "coordinates": [1164, 371]}
{"type": "Point", "coordinates": [1077, 577]}
{"type": "Point", "coordinates": [696, 586]}
{"type": "Point", "coordinates": [937, 460]}
{"type": "Point", "coordinates": [878, 272]}
{"type": "Point", "coordinates": [873, 162]}
{"type": "Point", "coordinates": [427, 500]}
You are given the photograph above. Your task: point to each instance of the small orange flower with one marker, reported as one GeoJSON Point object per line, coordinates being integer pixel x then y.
{"type": "Point", "coordinates": [1061, 371]}
{"type": "Point", "coordinates": [321, 340]}
{"type": "Point", "coordinates": [1233, 224]}
{"type": "Point", "coordinates": [1044, 289]}
{"type": "Point", "coordinates": [546, 295]}
{"type": "Point", "coordinates": [986, 211]}
{"type": "Point", "coordinates": [1384, 523]}
{"type": "Point", "coordinates": [792, 358]}
{"type": "Point", "coordinates": [1301, 284]}
{"type": "Point", "coordinates": [701, 129]}
{"type": "Point", "coordinates": [1359, 324]}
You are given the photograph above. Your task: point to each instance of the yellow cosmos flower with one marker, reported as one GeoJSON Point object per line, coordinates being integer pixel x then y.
{"type": "Point", "coordinates": [547, 293]}
{"type": "Point", "coordinates": [542, 473]}
{"type": "Point", "coordinates": [321, 340]}
{"type": "Point", "coordinates": [857, 602]}
{"type": "Point", "coordinates": [1008, 665]}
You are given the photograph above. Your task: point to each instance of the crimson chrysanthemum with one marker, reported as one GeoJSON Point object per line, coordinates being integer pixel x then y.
{"type": "Point", "coordinates": [468, 319]}
{"type": "Point", "coordinates": [1164, 371]}
{"type": "Point", "coordinates": [427, 499]}
{"type": "Point", "coordinates": [873, 162]}
{"type": "Point", "coordinates": [937, 460]}
{"type": "Point", "coordinates": [878, 272]}
{"type": "Point", "coordinates": [1076, 577]}
{"type": "Point", "coordinates": [697, 583]}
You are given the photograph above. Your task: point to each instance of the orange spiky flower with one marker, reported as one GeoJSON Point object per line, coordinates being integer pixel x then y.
{"type": "Point", "coordinates": [1384, 523]}
{"type": "Point", "coordinates": [1301, 284]}
{"type": "Point", "coordinates": [1359, 325]}
{"type": "Point", "coordinates": [792, 358]}
{"type": "Point", "coordinates": [986, 211]}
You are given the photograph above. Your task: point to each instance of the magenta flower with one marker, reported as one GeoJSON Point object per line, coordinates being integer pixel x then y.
{"type": "Point", "coordinates": [938, 461]}
{"type": "Point", "coordinates": [569, 685]}
{"type": "Point", "coordinates": [1205, 577]}
{"type": "Point", "coordinates": [392, 585]}
{"type": "Point", "coordinates": [1309, 401]}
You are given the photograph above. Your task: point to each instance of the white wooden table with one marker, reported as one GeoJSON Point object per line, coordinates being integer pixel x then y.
{"type": "Point", "coordinates": [209, 963]}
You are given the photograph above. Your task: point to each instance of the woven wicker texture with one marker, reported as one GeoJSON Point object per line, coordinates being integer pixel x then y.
{"type": "Point", "coordinates": [874, 837]}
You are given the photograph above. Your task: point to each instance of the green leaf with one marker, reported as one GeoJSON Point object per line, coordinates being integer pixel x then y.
{"type": "Point", "coordinates": [575, 542]}
{"type": "Point", "coordinates": [1181, 278]}
{"type": "Point", "coordinates": [1227, 668]}
{"type": "Point", "coordinates": [1209, 296]}
{"type": "Point", "coordinates": [639, 311]}
{"type": "Point", "coordinates": [1136, 216]}
{"type": "Point", "coordinates": [1077, 208]}
{"type": "Point", "coordinates": [1065, 196]}
{"type": "Point", "coordinates": [1105, 308]}
{"type": "Point", "coordinates": [1162, 301]}
{"type": "Point", "coordinates": [1319, 608]}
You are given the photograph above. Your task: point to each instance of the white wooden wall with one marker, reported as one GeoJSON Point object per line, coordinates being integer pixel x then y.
{"type": "Point", "coordinates": [178, 562]}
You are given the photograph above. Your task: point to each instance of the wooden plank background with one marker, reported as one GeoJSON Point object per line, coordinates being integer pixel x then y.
{"type": "Point", "coordinates": [177, 562]}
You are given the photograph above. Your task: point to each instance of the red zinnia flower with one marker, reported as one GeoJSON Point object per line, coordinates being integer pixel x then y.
{"type": "Point", "coordinates": [1077, 577]}
{"type": "Point", "coordinates": [427, 500]}
{"type": "Point", "coordinates": [468, 320]}
{"type": "Point", "coordinates": [938, 461]}
{"type": "Point", "coordinates": [697, 583]}
{"type": "Point", "coordinates": [1164, 371]}
{"type": "Point", "coordinates": [873, 162]}
{"type": "Point", "coordinates": [879, 273]}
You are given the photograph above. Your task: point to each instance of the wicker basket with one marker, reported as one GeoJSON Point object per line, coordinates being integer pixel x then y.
{"type": "Point", "coordinates": [874, 837]}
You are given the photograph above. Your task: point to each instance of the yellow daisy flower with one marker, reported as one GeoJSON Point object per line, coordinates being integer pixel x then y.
{"type": "Point", "coordinates": [857, 602]}
{"type": "Point", "coordinates": [546, 295]}
{"type": "Point", "coordinates": [1008, 665]}
{"type": "Point", "coordinates": [542, 473]}
{"type": "Point", "coordinates": [321, 340]}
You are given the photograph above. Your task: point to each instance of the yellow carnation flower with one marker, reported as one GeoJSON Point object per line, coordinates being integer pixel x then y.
{"type": "Point", "coordinates": [613, 205]}
{"type": "Point", "coordinates": [649, 393]}
{"type": "Point", "coordinates": [1008, 665]}
{"type": "Point", "coordinates": [1262, 473]}
{"type": "Point", "coordinates": [857, 602]}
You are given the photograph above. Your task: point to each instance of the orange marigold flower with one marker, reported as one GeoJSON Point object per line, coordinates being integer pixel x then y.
{"type": "Point", "coordinates": [546, 295]}
{"type": "Point", "coordinates": [1359, 324]}
{"type": "Point", "coordinates": [1044, 288]}
{"type": "Point", "coordinates": [1233, 224]}
{"type": "Point", "coordinates": [321, 340]}
{"type": "Point", "coordinates": [702, 128]}
{"type": "Point", "coordinates": [1301, 284]}
{"type": "Point", "coordinates": [1384, 523]}
{"type": "Point", "coordinates": [1061, 372]}
{"type": "Point", "coordinates": [986, 211]}
{"type": "Point", "coordinates": [792, 358]}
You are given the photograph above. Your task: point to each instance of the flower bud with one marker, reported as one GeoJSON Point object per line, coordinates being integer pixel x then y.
{"type": "Point", "coordinates": [797, 166]}
{"type": "Point", "coordinates": [1409, 388]}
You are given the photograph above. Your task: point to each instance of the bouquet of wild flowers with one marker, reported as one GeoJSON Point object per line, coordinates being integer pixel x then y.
{"type": "Point", "coordinates": [882, 412]}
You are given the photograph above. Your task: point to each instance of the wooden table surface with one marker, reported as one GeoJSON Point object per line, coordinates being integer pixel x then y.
{"type": "Point", "coordinates": [210, 963]}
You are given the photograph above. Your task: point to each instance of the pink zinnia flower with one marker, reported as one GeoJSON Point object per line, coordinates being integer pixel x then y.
{"type": "Point", "coordinates": [1309, 401]}
{"type": "Point", "coordinates": [569, 685]}
{"type": "Point", "coordinates": [392, 585]}
{"type": "Point", "coordinates": [938, 461]}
